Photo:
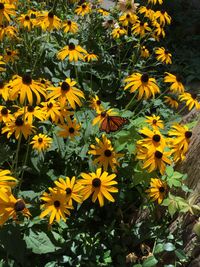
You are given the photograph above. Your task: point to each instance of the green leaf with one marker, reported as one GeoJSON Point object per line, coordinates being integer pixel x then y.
{"type": "Point", "coordinates": [39, 243]}
{"type": "Point", "coordinates": [169, 247]}
{"type": "Point", "coordinates": [150, 262]}
{"type": "Point", "coordinates": [158, 249]}
{"type": "Point", "coordinates": [169, 170]}
{"type": "Point", "coordinates": [196, 229]}
{"type": "Point", "coordinates": [180, 254]}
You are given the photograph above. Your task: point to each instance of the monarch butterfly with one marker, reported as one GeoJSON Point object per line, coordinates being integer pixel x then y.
{"type": "Point", "coordinates": [112, 123]}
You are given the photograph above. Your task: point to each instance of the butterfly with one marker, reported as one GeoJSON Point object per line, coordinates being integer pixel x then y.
{"type": "Point", "coordinates": [112, 123]}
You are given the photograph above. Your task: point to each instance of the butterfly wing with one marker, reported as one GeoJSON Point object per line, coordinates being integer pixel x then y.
{"type": "Point", "coordinates": [112, 123]}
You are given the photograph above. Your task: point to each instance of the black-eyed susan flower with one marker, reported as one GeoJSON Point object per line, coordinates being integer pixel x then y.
{"type": "Point", "coordinates": [157, 191]}
{"type": "Point", "coordinates": [182, 136]}
{"type": "Point", "coordinates": [104, 12]}
{"type": "Point", "coordinates": [4, 90]}
{"type": "Point", "coordinates": [12, 208]}
{"type": "Point", "coordinates": [8, 31]}
{"type": "Point", "coordinates": [83, 9]}
{"type": "Point", "coordinates": [146, 11]}
{"type": "Point", "coordinates": [48, 21]}
{"type": "Point", "coordinates": [41, 142]}
{"type": "Point", "coordinates": [118, 32]}
{"type": "Point", "coordinates": [101, 115]}
{"type": "Point", "coordinates": [71, 188]}
{"type": "Point", "coordinates": [190, 100]}
{"type": "Point", "coordinates": [176, 83]}
{"type": "Point", "coordinates": [67, 93]}
{"type": "Point", "coordinates": [163, 17]}
{"type": "Point", "coordinates": [157, 160]}
{"type": "Point", "coordinates": [10, 55]}
{"type": "Point", "coordinates": [70, 26]}
{"type": "Point", "coordinates": [5, 114]}
{"type": "Point", "coordinates": [25, 21]}
{"type": "Point", "coordinates": [154, 2]}
{"type": "Point", "coordinates": [2, 64]}
{"type": "Point", "coordinates": [155, 121]}
{"type": "Point", "coordinates": [90, 57]}
{"type": "Point", "coordinates": [6, 10]}
{"type": "Point", "coordinates": [70, 129]}
{"type": "Point", "coordinates": [127, 19]}
{"type": "Point", "coordinates": [17, 127]}
{"type": "Point", "coordinates": [163, 55]}
{"type": "Point", "coordinates": [51, 110]}
{"type": "Point", "coordinates": [144, 52]}
{"type": "Point", "coordinates": [73, 52]}
{"type": "Point", "coordinates": [96, 104]}
{"type": "Point", "coordinates": [105, 154]}
{"type": "Point", "coordinates": [25, 87]}
{"type": "Point", "coordinates": [99, 185]}
{"type": "Point", "coordinates": [152, 139]}
{"type": "Point", "coordinates": [158, 32]}
{"type": "Point", "coordinates": [140, 28]}
{"type": "Point", "coordinates": [29, 113]}
{"type": "Point", "coordinates": [171, 101]}
{"type": "Point", "coordinates": [55, 205]}
{"type": "Point", "coordinates": [6, 179]}
{"type": "Point", "coordinates": [145, 86]}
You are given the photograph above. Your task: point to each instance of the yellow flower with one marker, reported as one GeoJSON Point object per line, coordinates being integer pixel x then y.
{"type": "Point", "coordinates": [17, 127]}
{"type": "Point", "coordinates": [171, 101]}
{"type": "Point", "coordinates": [6, 10]}
{"type": "Point", "coordinates": [41, 142]}
{"type": "Point", "coordinates": [144, 52]}
{"type": "Point", "coordinates": [71, 188]}
{"type": "Point", "coordinates": [140, 28]}
{"type": "Point", "coordinates": [158, 190]}
{"type": "Point", "coordinates": [155, 122]}
{"type": "Point", "coordinates": [55, 205]}
{"type": "Point", "coordinates": [163, 55]}
{"type": "Point", "coordinates": [127, 18]}
{"type": "Point", "coordinates": [157, 160]}
{"type": "Point", "coordinates": [10, 55]}
{"type": "Point", "coordinates": [83, 9]}
{"type": "Point", "coordinates": [191, 100]}
{"type": "Point", "coordinates": [142, 83]}
{"type": "Point", "coordinates": [67, 93]}
{"type": "Point", "coordinates": [101, 114]}
{"type": "Point", "coordinates": [95, 103]}
{"type": "Point", "coordinates": [176, 84]}
{"type": "Point", "coordinates": [30, 113]}
{"type": "Point", "coordinates": [4, 90]}
{"type": "Point", "coordinates": [52, 110]}
{"type": "Point", "coordinates": [71, 129]}
{"type": "Point", "coordinates": [147, 11]}
{"type": "Point", "coordinates": [25, 87]}
{"type": "Point", "coordinates": [73, 52]}
{"type": "Point", "coordinates": [25, 21]}
{"type": "Point", "coordinates": [70, 26]}
{"type": "Point", "coordinates": [99, 185]}
{"type": "Point", "coordinates": [11, 208]}
{"type": "Point", "coordinates": [48, 21]}
{"type": "Point", "coordinates": [6, 180]}
{"type": "Point", "coordinates": [163, 17]}
{"type": "Point", "coordinates": [2, 64]}
{"type": "Point", "coordinates": [118, 32]}
{"type": "Point", "coordinates": [91, 57]}
{"type": "Point", "coordinates": [158, 32]}
{"type": "Point", "coordinates": [10, 32]}
{"type": "Point", "coordinates": [105, 154]}
{"type": "Point", "coordinates": [5, 115]}
{"type": "Point", "coordinates": [154, 2]}
{"type": "Point", "coordinates": [103, 12]}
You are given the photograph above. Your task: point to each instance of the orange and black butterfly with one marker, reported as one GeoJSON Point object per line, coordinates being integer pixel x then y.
{"type": "Point", "coordinates": [112, 123]}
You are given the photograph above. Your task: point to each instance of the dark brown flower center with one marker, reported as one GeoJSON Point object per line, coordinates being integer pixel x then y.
{"type": "Point", "coordinates": [96, 182]}
{"type": "Point", "coordinates": [40, 140]}
{"type": "Point", "coordinates": [84, 6]}
{"type": "Point", "coordinates": [68, 191]}
{"type": "Point", "coordinates": [30, 109]}
{"type": "Point", "coordinates": [69, 22]}
{"type": "Point", "coordinates": [56, 204]}
{"type": "Point", "coordinates": [26, 79]}
{"type": "Point", "coordinates": [194, 96]}
{"type": "Point", "coordinates": [142, 23]}
{"type": "Point", "coordinates": [103, 114]}
{"type": "Point", "coordinates": [4, 111]}
{"type": "Point", "coordinates": [9, 53]}
{"type": "Point", "coordinates": [71, 130]}
{"type": "Point", "coordinates": [49, 105]}
{"type": "Point", "coordinates": [107, 153]}
{"type": "Point", "coordinates": [19, 121]}
{"type": "Point", "coordinates": [166, 52]}
{"type": "Point", "coordinates": [145, 78]}
{"type": "Point", "coordinates": [1, 6]}
{"type": "Point", "coordinates": [154, 121]}
{"type": "Point", "coordinates": [156, 138]}
{"type": "Point", "coordinates": [71, 46]}
{"type": "Point", "coordinates": [19, 206]}
{"type": "Point", "coordinates": [179, 78]}
{"type": "Point", "coordinates": [50, 15]}
{"type": "Point", "coordinates": [163, 12]}
{"type": "Point", "coordinates": [65, 86]}
{"type": "Point", "coordinates": [110, 21]}
{"type": "Point", "coordinates": [188, 134]}
{"type": "Point", "coordinates": [42, 81]}
{"type": "Point", "coordinates": [161, 189]}
{"type": "Point", "coordinates": [1, 84]}
{"type": "Point", "coordinates": [158, 154]}
{"type": "Point", "coordinates": [128, 16]}
{"type": "Point", "coordinates": [27, 17]}
{"type": "Point", "coordinates": [98, 102]}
